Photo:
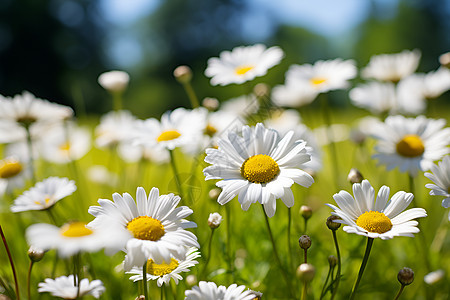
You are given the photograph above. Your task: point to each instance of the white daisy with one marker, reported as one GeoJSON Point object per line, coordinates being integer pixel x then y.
{"type": "Point", "coordinates": [64, 287]}
{"type": "Point", "coordinates": [134, 153]}
{"type": "Point", "coordinates": [294, 94]}
{"type": "Point", "coordinates": [258, 166]}
{"type": "Point", "coordinates": [209, 290]}
{"type": "Point", "coordinates": [412, 144]}
{"type": "Point", "coordinates": [165, 271]}
{"type": "Point", "coordinates": [13, 172]}
{"type": "Point", "coordinates": [377, 97]}
{"type": "Point", "coordinates": [441, 177]}
{"type": "Point", "coordinates": [154, 225]}
{"type": "Point", "coordinates": [74, 237]}
{"type": "Point", "coordinates": [44, 194]}
{"type": "Point", "coordinates": [323, 76]}
{"type": "Point", "coordinates": [242, 64]}
{"type": "Point", "coordinates": [242, 106]}
{"type": "Point", "coordinates": [392, 67]}
{"type": "Point", "coordinates": [114, 81]}
{"type": "Point", "coordinates": [383, 219]}
{"type": "Point", "coordinates": [114, 127]}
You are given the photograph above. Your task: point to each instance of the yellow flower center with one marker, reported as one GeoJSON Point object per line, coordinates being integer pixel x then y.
{"type": "Point", "coordinates": [410, 146]}
{"type": "Point", "coordinates": [75, 229]}
{"type": "Point", "coordinates": [46, 202]}
{"type": "Point", "coordinates": [146, 228]}
{"type": "Point", "coordinates": [259, 168]}
{"type": "Point", "coordinates": [374, 221]}
{"type": "Point", "coordinates": [161, 269]}
{"type": "Point", "coordinates": [65, 147]}
{"type": "Point", "coordinates": [10, 168]}
{"type": "Point", "coordinates": [168, 135]}
{"type": "Point", "coordinates": [210, 130]}
{"type": "Point", "coordinates": [241, 70]}
{"type": "Point", "coordinates": [317, 80]}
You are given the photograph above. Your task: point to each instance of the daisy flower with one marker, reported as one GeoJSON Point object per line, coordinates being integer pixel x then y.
{"type": "Point", "coordinates": [209, 290]}
{"type": "Point", "coordinates": [258, 166]}
{"type": "Point", "coordinates": [392, 67]}
{"type": "Point", "coordinates": [114, 128]}
{"type": "Point", "coordinates": [74, 237]}
{"type": "Point", "coordinates": [13, 172]}
{"type": "Point", "coordinates": [114, 81]}
{"type": "Point", "coordinates": [293, 94]}
{"type": "Point", "coordinates": [165, 271]}
{"type": "Point", "coordinates": [377, 97]}
{"type": "Point", "coordinates": [242, 64]}
{"type": "Point", "coordinates": [44, 194]}
{"type": "Point", "coordinates": [412, 144]}
{"type": "Point", "coordinates": [155, 226]}
{"type": "Point", "coordinates": [441, 180]}
{"type": "Point", "coordinates": [323, 76]}
{"type": "Point", "coordinates": [63, 287]}
{"type": "Point", "coordinates": [383, 219]}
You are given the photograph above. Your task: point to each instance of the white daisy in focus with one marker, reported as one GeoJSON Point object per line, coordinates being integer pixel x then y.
{"type": "Point", "coordinates": [63, 287]}
{"type": "Point", "coordinates": [13, 173]}
{"type": "Point", "coordinates": [411, 144]}
{"type": "Point", "coordinates": [44, 194]}
{"type": "Point", "coordinates": [114, 81]}
{"type": "Point", "coordinates": [242, 106]}
{"type": "Point", "coordinates": [392, 67]}
{"type": "Point", "coordinates": [441, 180]}
{"type": "Point", "coordinates": [165, 271]}
{"type": "Point", "coordinates": [74, 237]}
{"type": "Point", "coordinates": [242, 64]}
{"type": "Point", "coordinates": [155, 226]}
{"type": "Point", "coordinates": [209, 290]}
{"type": "Point", "coordinates": [258, 166]}
{"type": "Point", "coordinates": [323, 76]}
{"type": "Point", "coordinates": [383, 219]}
{"type": "Point", "coordinates": [114, 128]}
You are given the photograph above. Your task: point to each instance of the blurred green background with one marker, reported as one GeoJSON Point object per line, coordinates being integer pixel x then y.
{"type": "Point", "coordinates": [57, 48]}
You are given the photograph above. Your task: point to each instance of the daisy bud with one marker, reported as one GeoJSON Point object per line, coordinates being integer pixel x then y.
{"type": "Point", "coordinates": [306, 212]}
{"type": "Point", "coordinates": [214, 220]}
{"type": "Point", "coordinates": [444, 59]}
{"type": "Point", "coordinates": [183, 74]}
{"type": "Point", "coordinates": [35, 254]}
{"type": "Point", "coordinates": [405, 276]}
{"type": "Point", "coordinates": [210, 104]}
{"type": "Point", "coordinates": [306, 272]}
{"type": "Point", "coordinates": [214, 193]}
{"type": "Point", "coordinates": [114, 81]}
{"type": "Point", "coordinates": [261, 90]}
{"type": "Point", "coordinates": [332, 260]}
{"type": "Point", "coordinates": [191, 280]}
{"type": "Point", "coordinates": [354, 176]}
{"type": "Point", "coordinates": [305, 242]}
{"type": "Point", "coordinates": [434, 277]}
{"type": "Point", "coordinates": [331, 224]}
{"type": "Point", "coordinates": [141, 297]}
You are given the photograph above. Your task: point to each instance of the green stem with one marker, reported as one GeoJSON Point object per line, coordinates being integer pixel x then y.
{"type": "Point", "coordinates": [144, 280]}
{"type": "Point", "coordinates": [324, 289]}
{"type": "Point", "coordinates": [290, 257]}
{"type": "Point", "coordinates": [191, 94]}
{"type": "Point", "coordinates": [305, 255]}
{"type": "Point", "coordinates": [30, 153]}
{"type": "Point", "coordinates": [175, 173]}
{"type": "Point", "coordinates": [229, 254]}
{"type": "Point", "coordinates": [117, 100]}
{"type": "Point", "coordinates": [29, 280]}
{"type": "Point", "coordinates": [306, 224]}
{"type": "Point", "coordinates": [76, 272]}
{"type": "Point", "coordinates": [363, 266]}
{"type": "Point", "coordinates": [338, 274]}
{"type": "Point", "coordinates": [277, 257]}
{"type": "Point", "coordinates": [16, 284]}
{"type": "Point", "coordinates": [208, 258]}
{"type": "Point", "coordinates": [333, 153]}
{"type": "Point", "coordinates": [162, 292]}
{"type": "Point", "coordinates": [305, 290]}
{"type": "Point", "coordinates": [399, 292]}
{"type": "Point", "coordinates": [51, 216]}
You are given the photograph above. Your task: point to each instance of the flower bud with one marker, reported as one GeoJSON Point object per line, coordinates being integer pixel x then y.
{"type": "Point", "coordinates": [354, 176]}
{"type": "Point", "coordinates": [305, 242]}
{"type": "Point", "coordinates": [140, 297]}
{"type": "Point", "coordinates": [214, 220]}
{"type": "Point", "coordinates": [306, 272]}
{"type": "Point", "coordinates": [331, 224]}
{"type": "Point", "coordinates": [444, 59]}
{"type": "Point", "coordinates": [405, 276]}
{"type": "Point", "coordinates": [35, 254]}
{"type": "Point", "coordinates": [183, 74]}
{"type": "Point", "coordinates": [210, 104]}
{"type": "Point", "coordinates": [114, 81]}
{"type": "Point", "coordinates": [332, 260]}
{"type": "Point", "coordinates": [191, 280]}
{"type": "Point", "coordinates": [306, 212]}
{"type": "Point", "coordinates": [214, 193]}
{"type": "Point", "coordinates": [261, 90]}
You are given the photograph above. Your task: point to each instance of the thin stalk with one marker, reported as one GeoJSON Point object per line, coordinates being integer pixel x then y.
{"type": "Point", "coordinates": [76, 272]}
{"type": "Point", "coordinates": [338, 274]}
{"type": "Point", "coordinates": [363, 266]}
{"type": "Point", "coordinates": [399, 292]}
{"type": "Point", "coordinates": [16, 284]}
{"type": "Point", "coordinates": [306, 224]}
{"type": "Point", "coordinates": [30, 153]}
{"type": "Point", "coordinates": [29, 280]}
{"type": "Point", "coordinates": [305, 255]}
{"type": "Point", "coordinates": [208, 258]}
{"type": "Point", "coordinates": [439, 237]}
{"type": "Point", "coordinates": [290, 257]}
{"type": "Point", "coordinates": [324, 289]}
{"type": "Point", "coordinates": [305, 290]}
{"type": "Point", "coordinates": [162, 292]}
{"type": "Point", "coordinates": [191, 94]}
{"type": "Point", "coordinates": [144, 280]}
{"type": "Point", "coordinates": [229, 254]}
{"type": "Point", "coordinates": [117, 100]}
{"type": "Point", "coordinates": [277, 257]}
{"type": "Point", "coordinates": [51, 216]}
{"type": "Point", "coordinates": [333, 153]}
{"type": "Point", "coordinates": [175, 174]}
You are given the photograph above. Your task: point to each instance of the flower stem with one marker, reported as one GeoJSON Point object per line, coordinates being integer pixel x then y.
{"type": "Point", "coordinates": [338, 274]}
{"type": "Point", "coordinates": [144, 280]}
{"type": "Point", "coordinates": [117, 100]}
{"type": "Point", "coordinates": [229, 254]}
{"type": "Point", "coordinates": [191, 94]}
{"type": "Point", "coordinates": [305, 290]}
{"type": "Point", "coordinates": [16, 284]}
{"type": "Point", "coordinates": [209, 253]}
{"type": "Point", "coordinates": [324, 289]}
{"type": "Point", "coordinates": [363, 266]}
{"type": "Point", "coordinates": [290, 259]}
{"type": "Point", "coordinates": [176, 174]}
{"type": "Point", "coordinates": [30, 153]}
{"type": "Point", "coordinates": [399, 292]}
{"type": "Point", "coordinates": [76, 272]}
{"type": "Point", "coordinates": [29, 280]}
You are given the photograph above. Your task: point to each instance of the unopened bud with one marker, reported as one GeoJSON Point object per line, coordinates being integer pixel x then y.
{"type": "Point", "coordinates": [35, 254]}
{"type": "Point", "coordinates": [304, 241]}
{"type": "Point", "coordinates": [141, 297]}
{"type": "Point", "coordinates": [210, 104]}
{"type": "Point", "coordinates": [214, 193]}
{"type": "Point", "coordinates": [332, 260]}
{"type": "Point", "coordinates": [354, 176]}
{"type": "Point", "coordinates": [183, 74]}
{"type": "Point", "coordinates": [306, 212]}
{"type": "Point", "coordinates": [331, 224]}
{"type": "Point", "coordinates": [261, 90]}
{"type": "Point", "coordinates": [444, 59]}
{"type": "Point", "coordinates": [405, 276]}
{"type": "Point", "coordinates": [214, 220]}
{"type": "Point", "coordinates": [114, 81]}
{"type": "Point", "coordinates": [306, 272]}
{"type": "Point", "coordinates": [191, 280]}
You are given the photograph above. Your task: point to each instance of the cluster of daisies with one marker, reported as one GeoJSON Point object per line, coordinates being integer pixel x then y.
{"type": "Point", "coordinates": [257, 147]}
